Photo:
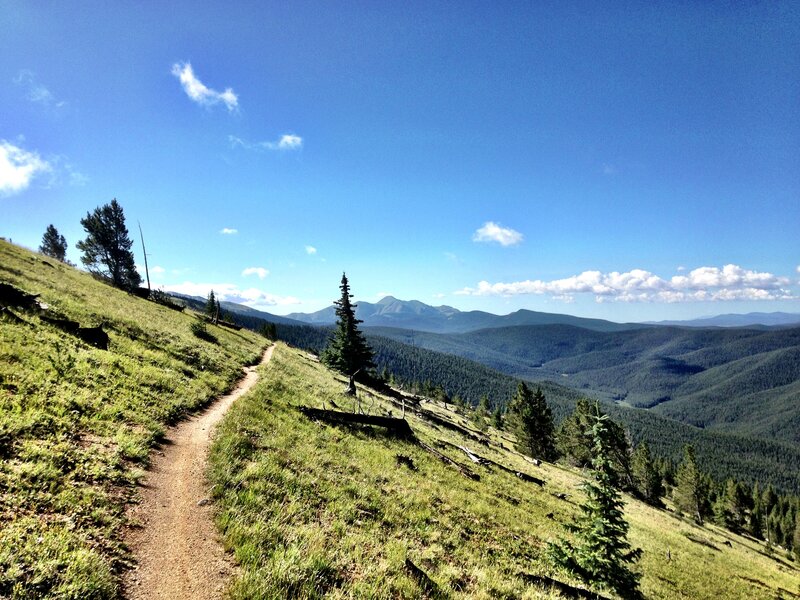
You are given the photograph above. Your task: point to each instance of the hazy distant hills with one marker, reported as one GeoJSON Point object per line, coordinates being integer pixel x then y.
{"type": "Point", "coordinates": [412, 314]}
{"type": "Point", "coordinates": [774, 319]}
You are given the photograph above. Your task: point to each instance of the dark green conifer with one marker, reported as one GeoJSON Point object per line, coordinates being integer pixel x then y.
{"type": "Point", "coordinates": [574, 442]}
{"type": "Point", "coordinates": [54, 244]}
{"type": "Point", "coordinates": [347, 350]}
{"type": "Point", "coordinates": [531, 421]}
{"type": "Point", "coordinates": [601, 555]}
{"type": "Point", "coordinates": [645, 475]}
{"type": "Point", "coordinates": [211, 305]}
{"type": "Point", "coordinates": [107, 247]}
{"type": "Point", "coordinates": [690, 493]}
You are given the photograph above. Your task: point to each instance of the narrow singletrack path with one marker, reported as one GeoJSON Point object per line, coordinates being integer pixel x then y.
{"type": "Point", "coordinates": [177, 551]}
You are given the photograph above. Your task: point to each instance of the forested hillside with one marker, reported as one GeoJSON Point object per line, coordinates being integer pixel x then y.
{"type": "Point", "coordinates": [739, 380]}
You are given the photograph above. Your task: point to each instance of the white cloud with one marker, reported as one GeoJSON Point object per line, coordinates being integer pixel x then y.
{"type": "Point", "coordinates": [18, 167]}
{"type": "Point", "coordinates": [37, 92]}
{"type": "Point", "coordinates": [311, 250]}
{"type": "Point", "coordinates": [494, 232]}
{"type": "Point", "coordinates": [158, 270]}
{"type": "Point", "coordinates": [228, 231]}
{"type": "Point", "coordinates": [260, 271]}
{"type": "Point", "coordinates": [705, 284]}
{"type": "Point", "coordinates": [290, 142]}
{"type": "Point", "coordinates": [228, 292]}
{"type": "Point", "coordinates": [201, 94]}
{"type": "Point", "coordinates": [438, 295]}
{"type": "Point", "coordinates": [287, 141]}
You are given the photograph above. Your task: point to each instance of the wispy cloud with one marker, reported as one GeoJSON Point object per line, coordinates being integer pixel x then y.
{"type": "Point", "coordinates": [287, 141]}
{"type": "Point", "coordinates": [494, 232]}
{"type": "Point", "coordinates": [260, 271]}
{"type": "Point", "coordinates": [37, 92]}
{"type": "Point", "coordinates": [19, 167]}
{"type": "Point", "coordinates": [704, 284]}
{"type": "Point", "coordinates": [310, 250]}
{"type": "Point", "coordinates": [199, 92]}
{"type": "Point", "coordinates": [438, 296]}
{"type": "Point", "coordinates": [228, 292]}
{"type": "Point", "coordinates": [228, 231]}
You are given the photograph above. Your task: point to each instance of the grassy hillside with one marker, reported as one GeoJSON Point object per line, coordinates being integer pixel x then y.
{"type": "Point", "coordinates": [313, 510]}
{"type": "Point", "coordinates": [722, 453]}
{"type": "Point", "coordinates": [76, 422]}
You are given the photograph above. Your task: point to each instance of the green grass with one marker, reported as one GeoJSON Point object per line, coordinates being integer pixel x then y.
{"type": "Point", "coordinates": [318, 511]}
{"type": "Point", "coordinates": [76, 422]}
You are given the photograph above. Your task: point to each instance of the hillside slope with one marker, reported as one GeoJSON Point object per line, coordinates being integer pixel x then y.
{"type": "Point", "coordinates": [721, 452]}
{"type": "Point", "coordinates": [77, 422]}
{"type": "Point", "coordinates": [314, 510]}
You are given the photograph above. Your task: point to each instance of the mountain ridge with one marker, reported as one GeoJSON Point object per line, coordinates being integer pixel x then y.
{"type": "Point", "coordinates": [416, 315]}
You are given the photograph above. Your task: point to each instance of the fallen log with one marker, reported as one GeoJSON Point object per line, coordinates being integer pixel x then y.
{"type": "Point", "coordinates": [447, 460]}
{"type": "Point", "coordinates": [564, 589]}
{"type": "Point", "coordinates": [481, 460]}
{"type": "Point", "coordinates": [398, 427]}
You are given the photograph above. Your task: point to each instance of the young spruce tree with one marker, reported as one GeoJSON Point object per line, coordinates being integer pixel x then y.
{"type": "Point", "coordinates": [347, 351]}
{"type": "Point", "coordinates": [601, 554]}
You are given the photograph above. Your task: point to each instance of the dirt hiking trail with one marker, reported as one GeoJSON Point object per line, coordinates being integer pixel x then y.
{"type": "Point", "coordinates": [177, 551]}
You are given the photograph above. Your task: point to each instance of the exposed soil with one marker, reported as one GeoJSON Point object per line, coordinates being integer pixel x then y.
{"type": "Point", "coordinates": [176, 548]}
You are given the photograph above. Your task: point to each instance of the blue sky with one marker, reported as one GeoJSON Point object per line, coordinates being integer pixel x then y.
{"type": "Point", "coordinates": [628, 161]}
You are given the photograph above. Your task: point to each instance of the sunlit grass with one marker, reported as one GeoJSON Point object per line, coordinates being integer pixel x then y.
{"type": "Point", "coordinates": [76, 422]}
{"type": "Point", "coordinates": [312, 510]}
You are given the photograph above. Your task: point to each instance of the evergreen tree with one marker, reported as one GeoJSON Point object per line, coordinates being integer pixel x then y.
{"type": "Point", "coordinates": [729, 509]}
{"type": "Point", "coordinates": [347, 350]}
{"type": "Point", "coordinates": [211, 305]}
{"type": "Point", "coordinates": [54, 244]}
{"type": "Point", "coordinates": [573, 441]}
{"type": "Point", "coordinates": [601, 555]}
{"type": "Point", "coordinates": [645, 475]}
{"type": "Point", "coordinates": [690, 494]}
{"type": "Point", "coordinates": [481, 414]}
{"type": "Point", "coordinates": [107, 247]}
{"type": "Point", "coordinates": [531, 421]}
{"type": "Point", "coordinates": [497, 418]}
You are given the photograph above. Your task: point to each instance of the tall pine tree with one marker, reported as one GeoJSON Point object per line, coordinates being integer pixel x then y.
{"type": "Point", "coordinates": [54, 244]}
{"type": "Point", "coordinates": [646, 477]}
{"type": "Point", "coordinates": [107, 247]}
{"type": "Point", "coordinates": [690, 493]}
{"type": "Point", "coordinates": [531, 421]}
{"type": "Point", "coordinates": [601, 555]}
{"type": "Point", "coordinates": [347, 350]}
